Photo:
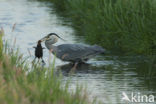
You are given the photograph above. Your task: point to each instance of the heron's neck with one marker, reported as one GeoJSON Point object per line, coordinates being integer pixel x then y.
{"type": "Point", "coordinates": [50, 46]}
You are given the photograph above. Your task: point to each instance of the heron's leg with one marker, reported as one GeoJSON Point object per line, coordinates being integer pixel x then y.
{"type": "Point", "coordinates": [74, 67]}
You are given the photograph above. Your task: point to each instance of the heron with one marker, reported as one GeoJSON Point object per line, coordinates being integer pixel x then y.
{"type": "Point", "coordinates": [75, 53]}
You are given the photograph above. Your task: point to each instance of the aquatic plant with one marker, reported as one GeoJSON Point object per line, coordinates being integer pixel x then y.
{"type": "Point", "coordinates": [1, 41]}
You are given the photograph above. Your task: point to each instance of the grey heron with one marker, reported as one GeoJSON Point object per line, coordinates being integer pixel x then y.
{"type": "Point", "coordinates": [75, 53]}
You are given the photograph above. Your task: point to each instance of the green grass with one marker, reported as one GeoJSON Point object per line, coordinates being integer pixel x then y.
{"type": "Point", "coordinates": [126, 26]}
{"type": "Point", "coordinates": [22, 84]}
{"type": "Point", "coordinates": [1, 45]}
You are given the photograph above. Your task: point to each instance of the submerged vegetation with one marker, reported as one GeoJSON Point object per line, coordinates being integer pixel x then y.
{"type": "Point", "coordinates": [119, 25]}
{"type": "Point", "coordinates": [20, 85]}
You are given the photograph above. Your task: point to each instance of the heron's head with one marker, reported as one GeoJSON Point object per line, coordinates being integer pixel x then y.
{"type": "Point", "coordinates": [51, 38]}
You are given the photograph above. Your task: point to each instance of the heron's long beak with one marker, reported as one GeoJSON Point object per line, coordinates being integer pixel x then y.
{"type": "Point", "coordinates": [44, 39]}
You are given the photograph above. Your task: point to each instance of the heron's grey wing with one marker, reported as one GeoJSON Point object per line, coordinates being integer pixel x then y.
{"type": "Point", "coordinates": [73, 52]}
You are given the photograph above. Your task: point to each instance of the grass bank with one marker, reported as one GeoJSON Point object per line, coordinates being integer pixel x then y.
{"type": "Point", "coordinates": [127, 26]}
{"type": "Point", "coordinates": [20, 85]}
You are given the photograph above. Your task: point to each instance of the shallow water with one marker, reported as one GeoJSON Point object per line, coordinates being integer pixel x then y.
{"type": "Point", "coordinates": [106, 77]}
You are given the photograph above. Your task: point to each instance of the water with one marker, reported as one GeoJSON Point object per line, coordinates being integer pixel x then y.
{"type": "Point", "coordinates": [106, 77]}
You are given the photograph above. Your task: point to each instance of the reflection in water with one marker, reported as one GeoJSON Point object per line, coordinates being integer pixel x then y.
{"type": "Point", "coordinates": [105, 76]}
{"type": "Point", "coordinates": [81, 68]}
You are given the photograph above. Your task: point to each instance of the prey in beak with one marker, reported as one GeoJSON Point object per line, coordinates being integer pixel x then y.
{"type": "Point", "coordinates": [39, 52]}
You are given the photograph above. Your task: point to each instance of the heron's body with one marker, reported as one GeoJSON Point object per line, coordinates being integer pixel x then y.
{"type": "Point", "coordinates": [74, 52]}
